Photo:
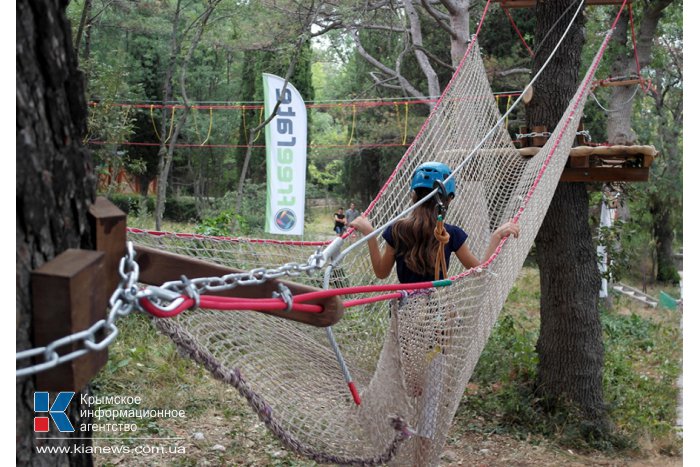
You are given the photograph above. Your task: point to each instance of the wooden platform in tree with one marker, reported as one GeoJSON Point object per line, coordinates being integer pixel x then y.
{"type": "Point", "coordinates": [605, 163]}
{"type": "Point", "coordinates": [531, 3]}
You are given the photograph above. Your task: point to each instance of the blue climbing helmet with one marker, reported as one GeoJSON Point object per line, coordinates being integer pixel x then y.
{"type": "Point", "coordinates": [427, 173]}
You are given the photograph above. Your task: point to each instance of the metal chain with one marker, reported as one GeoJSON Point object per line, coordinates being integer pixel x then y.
{"type": "Point", "coordinates": [545, 134]}
{"type": "Point", "coordinates": [229, 281]}
{"type": "Point", "coordinates": [122, 302]}
{"type": "Point", "coordinates": [586, 135]}
{"type": "Point", "coordinates": [126, 296]}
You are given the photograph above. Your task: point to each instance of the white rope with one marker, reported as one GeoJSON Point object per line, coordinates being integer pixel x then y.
{"type": "Point", "coordinates": [620, 109]}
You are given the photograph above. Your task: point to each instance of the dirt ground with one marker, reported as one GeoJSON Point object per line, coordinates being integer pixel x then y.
{"type": "Point", "coordinates": [237, 438]}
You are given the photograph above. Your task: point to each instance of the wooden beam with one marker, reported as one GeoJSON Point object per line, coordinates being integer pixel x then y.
{"type": "Point", "coordinates": [532, 3]}
{"type": "Point", "coordinates": [157, 267]}
{"type": "Point", "coordinates": [68, 296]}
{"type": "Point", "coordinates": [605, 174]}
{"type": "Point", "coordinates": [109, 236]}
{"type": "Point", "coordinates": [624, 82]}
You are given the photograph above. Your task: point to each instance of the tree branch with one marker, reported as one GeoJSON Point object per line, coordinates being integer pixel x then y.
{"type": "Point", "coordinates": [434, 58]}
{"type": "Point", "coordinates": [439, 18]}
{"type": "Point", "coordinates": [513, 71]}
{"type": "Point", "coordinates": [451, 6]}
{"type": "Point", "coordinates": [405, 84]}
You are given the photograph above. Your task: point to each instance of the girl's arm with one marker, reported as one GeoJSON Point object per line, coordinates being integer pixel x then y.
{"type": "Point", "coordinates": [382, 263]}
{"type": "Point", "coordinates": [468, 259]}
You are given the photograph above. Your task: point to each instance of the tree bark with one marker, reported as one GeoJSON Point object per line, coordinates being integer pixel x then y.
{"type": "Point", "coordinates": [55, 186]}
{"type": "Point", "coordinates": [164, 157]}
{"type": "Point", "coordinates": [619, 124]}
{"type": "Point", "coordinates": [87, 8]}
{"type": "Point", "coordinates": [570, 345]}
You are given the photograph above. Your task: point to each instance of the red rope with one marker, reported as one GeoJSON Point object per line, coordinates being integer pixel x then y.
{"type": "Point", "coordinates": [214, 302]}
{"type": "Point", "coordinates": [408, 152]}
{"type": "Point", "coordinates": [634, 40]}
{"type": "Point", "coordinates": [329, 105]}
{"type": "Point", "coordinates": [560, 136]}
{"type": "Point", "coordinates": [515, 26]}
{"type": "Point", "coordinates": [227, 146]}
{"type": "Point", "coordinates": [157, 233]}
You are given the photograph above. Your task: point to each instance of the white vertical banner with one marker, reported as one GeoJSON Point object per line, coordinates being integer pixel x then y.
{"type": "Point", "coordinates": [285, 146]}
{"type": "Point", "coordinates": [606, 220]}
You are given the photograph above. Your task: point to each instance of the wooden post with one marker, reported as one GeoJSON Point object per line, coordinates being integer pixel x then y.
{"type": "Point", "coordinates": [525, 141]}
{"type": "Point", "coordinates": [539, 141]}
{"type": "Point", "coordinates": [109, 228]}
{"type": "Point", "coordinates": [69, 295]}
{"type": "Point", "coordinates": [157, 267]}
{"type": "Point", "coordinates": [580, 139]}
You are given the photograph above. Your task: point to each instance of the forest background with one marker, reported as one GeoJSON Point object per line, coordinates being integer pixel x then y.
{"type": "Point", "coordinates": [139, 55]}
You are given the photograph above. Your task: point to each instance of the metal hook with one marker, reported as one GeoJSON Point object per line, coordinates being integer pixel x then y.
{"type": "Point", "coordinates": [286, 295]}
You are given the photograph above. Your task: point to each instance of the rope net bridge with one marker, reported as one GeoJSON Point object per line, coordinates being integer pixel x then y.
{"type": "Point", "coordinates": [407, 359]}
{"type": "Point", "coordinates": [410, 357]}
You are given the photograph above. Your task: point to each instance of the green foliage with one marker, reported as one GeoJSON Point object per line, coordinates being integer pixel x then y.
{"type": "Point", "coordinates": [181, 209]}
{"type": "Point", "coordinates": [219, 219]}
{"type": "Point", "coordinates": [642, 363]}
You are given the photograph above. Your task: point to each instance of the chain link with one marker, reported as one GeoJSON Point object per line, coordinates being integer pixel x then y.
{"type": "Point", "coordinates": [545, 134]}
{"type": "Point", "coordinates": [253, 277]}
{"type": "Point", "coordinates": [126, 296]}
{"type": "Point", "coordinates": [98, 336]}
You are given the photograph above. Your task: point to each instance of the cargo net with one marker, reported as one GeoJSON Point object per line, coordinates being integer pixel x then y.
{"type": "Point", "coordinates": [410, 358]}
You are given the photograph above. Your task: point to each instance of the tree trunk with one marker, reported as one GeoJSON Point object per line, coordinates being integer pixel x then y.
{"type": "Point", "coordinates": [164, 156]}
{"type": "Point", "coordinates": [619, 124]}
{"type": "Point", "coordinates": [87, 8]}
{"type": "Point", "coordinates": [459, 22]}
{"type": "Point", "coordinates": [663, 233]}
{"type": "Point", "coordinates": [570, 346]}
{"type": "Point", "coordinates": [55, 186]}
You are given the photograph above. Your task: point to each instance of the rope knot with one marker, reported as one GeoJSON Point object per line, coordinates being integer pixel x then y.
{"type": "Point", "coordinates": [443, 238]}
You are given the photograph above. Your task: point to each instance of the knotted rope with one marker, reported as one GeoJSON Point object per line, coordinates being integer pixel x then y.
{"type": "Point", "coordinates": [443, 239]}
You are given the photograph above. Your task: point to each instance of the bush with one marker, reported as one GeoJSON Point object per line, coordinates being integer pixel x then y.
{"type": "Point", "coordinates": [182, 209]}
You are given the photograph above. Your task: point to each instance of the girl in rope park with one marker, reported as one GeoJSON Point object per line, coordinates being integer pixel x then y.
{"type": "Point", "coordinates": [412, 243]}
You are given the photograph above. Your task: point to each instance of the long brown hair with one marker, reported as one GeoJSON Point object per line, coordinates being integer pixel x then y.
{"type": "Point", "coordinates": [414, 237]}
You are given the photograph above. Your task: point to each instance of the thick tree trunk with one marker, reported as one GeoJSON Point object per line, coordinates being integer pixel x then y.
{"type": "Point", "coordinates": [164, 155]}
{"type": "Point", "coordinates": [55, 186]}
{"type": "Point", "coordinates": [619, 124]}
{"type": "Point", "coordinates": [570, 344]}
{"type": "Point", "coordinates": [663, 233]}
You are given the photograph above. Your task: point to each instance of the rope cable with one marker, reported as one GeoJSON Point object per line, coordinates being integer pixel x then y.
{"type": "Point", "coordinates": [636, 88]}
{"type": "Point", "coordinates": [405, 124]}
{"type": "Point", "coordinates": [153, 122]}
{"type": "Point", "coordinates": [211, 124]}
{"type": "Point", "coordinates": [515, 26]}
{"type": "Point", "coordinates": [260, 119]}
{"type": "Point", "coordinates": [352, 128]}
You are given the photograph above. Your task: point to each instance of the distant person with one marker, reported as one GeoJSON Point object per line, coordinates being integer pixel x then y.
{"type": "Point", "coordinates": [340, 222]}
{"type": "Point", "coordinates": [351, 214]}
